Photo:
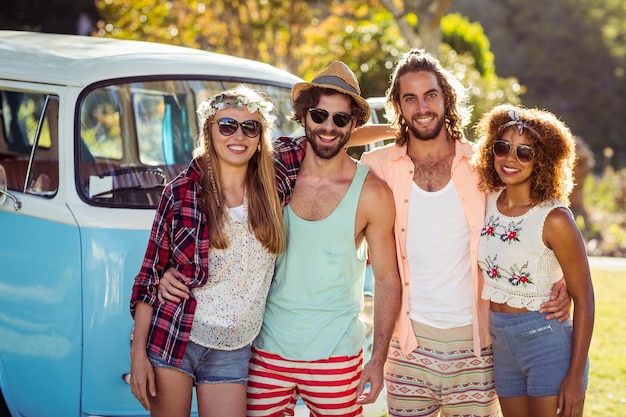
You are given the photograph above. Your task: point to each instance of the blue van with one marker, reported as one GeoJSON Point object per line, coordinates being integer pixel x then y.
{"type": "Point", "coordinates": [90, 131]}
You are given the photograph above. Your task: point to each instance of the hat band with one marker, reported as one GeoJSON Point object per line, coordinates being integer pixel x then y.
{"type": "Point", "coordinates": [336, 81]}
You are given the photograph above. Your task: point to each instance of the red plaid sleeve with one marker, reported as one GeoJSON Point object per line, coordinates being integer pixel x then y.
{"type": "Point", "coordinates": [179, 238]}
{"type": "Point", "coordinates": [288, 153]}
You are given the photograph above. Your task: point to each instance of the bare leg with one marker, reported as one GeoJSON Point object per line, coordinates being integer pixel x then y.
{"type": "Point", "coordinates": [544, 406]}
{"type": "Point", "coordinates": [174, 390]}
{"type": "Point", "coordinates": [221, 400]}
{"type": "Point", "coordinates": [516, 407]}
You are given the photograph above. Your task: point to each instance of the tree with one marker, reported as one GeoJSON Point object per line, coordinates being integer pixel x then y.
{"type": "Point", "coordinates": [371, 41]}
{"type": "Point", "coordinates": [570, 54]}
{"type": "Point", "coordinates": [430, 13]}
{"type": "Point", "coordinates": [265, 30]}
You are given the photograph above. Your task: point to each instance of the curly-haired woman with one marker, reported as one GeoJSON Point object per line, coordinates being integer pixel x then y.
{"type": "Point", "coordinates": [525, 159]}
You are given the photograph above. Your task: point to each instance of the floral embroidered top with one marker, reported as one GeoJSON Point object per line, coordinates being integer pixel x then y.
{"type": "Point", "coordinates": [519, 269]}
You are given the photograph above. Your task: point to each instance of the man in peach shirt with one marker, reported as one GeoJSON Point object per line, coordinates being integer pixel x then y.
{"type": "Point", "coordinates": [440, 359]}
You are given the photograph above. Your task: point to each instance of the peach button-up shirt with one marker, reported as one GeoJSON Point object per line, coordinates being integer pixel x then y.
{"type": "Point", "coordinates": [393, 165]}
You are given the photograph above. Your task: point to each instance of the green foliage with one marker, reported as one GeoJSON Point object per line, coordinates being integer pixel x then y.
{"type": "Point", "coordinates": [370, 44]}
{"type": "Point", "coordinates": [605, 199]}
{"type": "Point", "coordinates": [570, 55]}
{"type": "Point", "coordinates": [464, 36]}
{"type": "Point", "coordinates": [485, 92]}
{"type": "Point", "coordinates": [264, 30]}
{"type": "Point", "coordinates": [368, 40]}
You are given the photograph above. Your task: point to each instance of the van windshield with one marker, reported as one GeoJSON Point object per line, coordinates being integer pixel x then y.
{"type": "Point", "coordinates": [134, 137]}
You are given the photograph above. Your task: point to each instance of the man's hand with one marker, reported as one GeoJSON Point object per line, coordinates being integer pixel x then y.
{"type": "Point", "coordinates": [560, 303]}
{"type": "Point", "coordinates": [172, 286]}
{"type": "Point", "coordinates": [373, 375]}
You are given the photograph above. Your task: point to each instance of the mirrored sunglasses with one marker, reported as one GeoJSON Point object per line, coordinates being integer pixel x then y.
{"type": "Point", "coordinates": [524, 153]}
{"type": "Point", "coordinates": [228, 126]}
{"type": "Point", "coordinates": [340, 119]}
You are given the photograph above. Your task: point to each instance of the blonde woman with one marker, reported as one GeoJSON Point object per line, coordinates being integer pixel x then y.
{"type": "Point", "coordinates": [220, 223]}
{"type": "Point", "coordinates": [530, 240]}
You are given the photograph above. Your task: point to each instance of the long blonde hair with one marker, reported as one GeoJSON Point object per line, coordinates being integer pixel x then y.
{"type": "Point", "coordinates": [264, 209]}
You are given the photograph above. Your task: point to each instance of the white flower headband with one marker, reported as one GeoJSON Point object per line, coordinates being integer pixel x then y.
{"type": "Point", "coordinates": [207, 108]}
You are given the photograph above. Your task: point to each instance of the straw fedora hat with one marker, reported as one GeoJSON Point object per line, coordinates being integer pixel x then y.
{"type": "Point", "coordinates": [337, 77]}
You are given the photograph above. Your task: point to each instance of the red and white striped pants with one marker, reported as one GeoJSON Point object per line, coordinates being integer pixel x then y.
{"type": "Point", "coordinates": [327, 387]}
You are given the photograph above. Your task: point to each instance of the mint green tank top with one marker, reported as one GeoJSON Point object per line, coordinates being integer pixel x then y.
{"type": "Point", "coordinates": [317, 292]}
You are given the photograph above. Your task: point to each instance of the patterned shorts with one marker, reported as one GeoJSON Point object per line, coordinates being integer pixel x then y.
{"type": "Point", "coordinates": [441, 376]}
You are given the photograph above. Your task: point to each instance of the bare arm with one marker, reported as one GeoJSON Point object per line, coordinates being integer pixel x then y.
{"type": "Point", "coordinates": [562, 235]}
{"type": "Point", "coordinates": [141, 372]}
{"type": "Point", "coordinates": [370, 134]}
{"type": "Point", "coordinates": [378, 208]}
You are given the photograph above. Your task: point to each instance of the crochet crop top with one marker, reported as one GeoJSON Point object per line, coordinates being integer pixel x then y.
{"type": "Point", "coordinates": [519, 269]}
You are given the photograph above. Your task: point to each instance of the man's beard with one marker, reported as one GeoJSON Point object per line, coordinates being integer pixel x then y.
{"type": "Point", "coordinates": [326, 151]}
{"type": "Point", "coordinates": [426, 134]}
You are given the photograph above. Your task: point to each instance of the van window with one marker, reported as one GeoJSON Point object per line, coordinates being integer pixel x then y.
{"type": "Point", "coordinates": [28, 142]}
{"type": "Point", "coordinates": [136, 136]}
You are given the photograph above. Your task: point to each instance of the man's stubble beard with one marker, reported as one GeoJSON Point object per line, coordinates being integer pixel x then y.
{"type": "Point", "coordinates": [427, 135]}
{"type": "Point", "coordinates": [326, 152]}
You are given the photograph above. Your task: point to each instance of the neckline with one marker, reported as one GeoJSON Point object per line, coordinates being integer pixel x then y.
{"type": "Point", "coordinates": [526, 213]}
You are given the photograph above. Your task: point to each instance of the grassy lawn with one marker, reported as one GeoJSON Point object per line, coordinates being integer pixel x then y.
{"type": "Point", "coordinates": [606, 395]}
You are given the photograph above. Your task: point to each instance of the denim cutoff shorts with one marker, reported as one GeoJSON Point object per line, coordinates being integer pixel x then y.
{"type": "Point", "coordinates": [210, 366]}
{"type": "Point", "coordinates": [531, 355]}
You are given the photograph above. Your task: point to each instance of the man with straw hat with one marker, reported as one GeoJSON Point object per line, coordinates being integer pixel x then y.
{"type": "Point", "coordinates": [311, 339]}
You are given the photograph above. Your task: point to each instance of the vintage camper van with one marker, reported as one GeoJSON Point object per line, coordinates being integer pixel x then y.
{"type": "Point", "coordinates": [90, 131]}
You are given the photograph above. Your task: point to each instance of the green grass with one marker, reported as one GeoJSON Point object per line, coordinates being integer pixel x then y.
{"type": "Point", "coordinates": [606, 395]}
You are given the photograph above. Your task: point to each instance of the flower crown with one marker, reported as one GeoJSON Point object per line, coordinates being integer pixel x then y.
{"type": "Point", "coordinates": [207, 108]}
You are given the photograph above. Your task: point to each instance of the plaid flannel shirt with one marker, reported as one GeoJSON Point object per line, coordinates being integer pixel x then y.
{"type": "Point", "coordinates": [180, 238]}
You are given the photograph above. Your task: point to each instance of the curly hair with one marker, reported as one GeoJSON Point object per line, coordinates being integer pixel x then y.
{"type": "Point", "coordinates": [264, 208]}
{"type": "Point", "coordinates": [456, 97]}
{"type": "Point", "coordinates": [311, 97]}
{"type": "Point", "coordinates": [553, 144]}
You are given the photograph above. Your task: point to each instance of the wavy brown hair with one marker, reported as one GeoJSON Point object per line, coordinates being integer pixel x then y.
{"type": "Point", "coordinates": [456, 98]}
{"type": "Point", "coordinates": [265, 217]}
{"type": "Point", "coordinates": [554, 153]}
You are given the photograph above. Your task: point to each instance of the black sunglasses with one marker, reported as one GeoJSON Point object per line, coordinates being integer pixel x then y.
{"type": "Point", "coordinates": [340, 119]}
{"type": "Point", "coordinates": [501, 148]}
{"type": "Point", "coordinates": [228, 126]}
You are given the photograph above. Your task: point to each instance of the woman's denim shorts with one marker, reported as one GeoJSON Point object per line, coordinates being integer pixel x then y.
{"type": "Point", "coordinates": [210, 366]}
{"type": "Point", "coordinates": [531, 355]}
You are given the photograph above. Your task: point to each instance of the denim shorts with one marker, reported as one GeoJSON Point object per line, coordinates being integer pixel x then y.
{"type": "Point", "coordinates": [531, 355]}
{"type": "Point", "coordinates": [210, 366]}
